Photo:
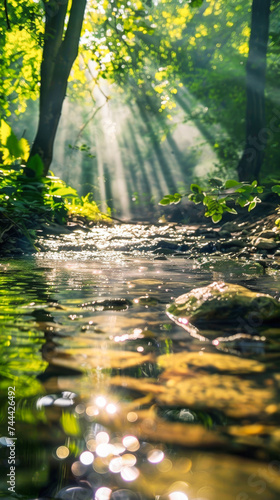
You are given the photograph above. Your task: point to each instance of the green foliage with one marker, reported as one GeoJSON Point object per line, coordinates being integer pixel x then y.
{"type": "Point", "coordinates": [28, 199]}
{"type": "Point", "coordinates": [276, 189]}
{"type": "Point", "coordinates": [34, 167]}
{"type": "Point", "coordinates": [12, 149]}
{"type": "Point", "coordinates": [171, 198]}
{"type": "Point", "coordinates": [20, 54]}
{"type": "Point", "coordinates": [162, 54]}
{"type": "Point", "coordinates": [86, 207]}
{"type": "Point", "coordinates": [219, 197]}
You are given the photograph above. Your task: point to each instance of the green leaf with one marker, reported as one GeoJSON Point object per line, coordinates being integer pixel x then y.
{"type": "Point", "coordinates": [242, 201]}
{"type": "Point", "coordinates": [176, 198]}
{"type": "Point", "coordinates": [24, 148]}
{"type": "Point", "coordinates": [276, 189]}
{"type": "Point", "coordinates": [230, 210]}
{"type": "Point", "coordinates": [11, 151]}
{"type": "Point", "coordinates": [195, 188]}
{"type": "Point", "coordinates": [195, 3]}
{"type": "Point", "coordinates": [171, 198]}
{"type": "Point", "coordinates": [12, 148]}
{"type": "Point", "coordinates": [207, 199]}
{"type": "Point", "coordinates": [35, 164]}
{"type": "Point", "coordinates": [216, 218]}
{"type": "Point", "coordinates": [165, 200]}
{"type": "Point", "coordinates": [254, 184]}
{"type": "Point", "coordinates": [196, 198]}
{"type": "Point", "coordinates": [252, 205]}
{"type": "Point", "coordinates": [244, 189]}
{"type": "Point", "coordinates": [232, 183]}
{"type": "Point", "coordinates": [65, 192]}
{"type": "Point", "coordinates": [5, 132]}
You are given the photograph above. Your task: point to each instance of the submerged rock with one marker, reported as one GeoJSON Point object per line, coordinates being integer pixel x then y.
{"type": "Point", "coordinates": [108, 304]}
{"type": "Point", "coordinates": [224, 303]}
{"type": "Point", "coordinates": [268, 234]}
{"type": "Point", "coordinates": [184, 363]}
{"type": "Point", "coordinates": [233, 266]}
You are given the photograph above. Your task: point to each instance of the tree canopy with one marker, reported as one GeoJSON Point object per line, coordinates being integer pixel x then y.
{"type": "Point", "coordinates": [161, 56]}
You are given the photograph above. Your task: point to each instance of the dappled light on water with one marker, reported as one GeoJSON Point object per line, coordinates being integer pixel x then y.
{"type": "Point", "coordinates": [117, 401]}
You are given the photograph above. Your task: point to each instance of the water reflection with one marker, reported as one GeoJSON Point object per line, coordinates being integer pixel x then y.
{"type": "Point", "coordinates": [84, 339]}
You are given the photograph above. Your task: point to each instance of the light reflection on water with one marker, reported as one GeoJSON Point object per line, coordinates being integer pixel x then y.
{"type": "Point", "coordinates": [73, 321]}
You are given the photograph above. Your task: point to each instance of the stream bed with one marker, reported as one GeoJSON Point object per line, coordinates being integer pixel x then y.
{"type": "Point", "coordinates": [104, 407]}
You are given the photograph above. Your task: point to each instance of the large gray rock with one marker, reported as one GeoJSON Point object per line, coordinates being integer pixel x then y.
{"type": "Point", "coordinates": [223, 303]}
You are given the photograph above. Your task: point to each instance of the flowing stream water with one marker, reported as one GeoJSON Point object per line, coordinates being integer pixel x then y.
{"type": "Point", "coordinates": [98, 415]}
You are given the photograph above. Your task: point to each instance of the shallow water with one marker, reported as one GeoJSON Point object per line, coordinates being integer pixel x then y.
{"type": "Point", "coordinates": [81, 324]}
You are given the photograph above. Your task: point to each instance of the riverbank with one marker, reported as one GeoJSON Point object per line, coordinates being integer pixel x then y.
{"type": "Point", "coordinates": [248, 236]}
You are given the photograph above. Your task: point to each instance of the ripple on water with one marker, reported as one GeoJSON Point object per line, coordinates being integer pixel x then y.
{"type": "Point", "coordinates": [108, 392]}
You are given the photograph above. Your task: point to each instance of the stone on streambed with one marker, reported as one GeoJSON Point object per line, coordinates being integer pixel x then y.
{"type": "Point", "coordinates": [266, 244]}
{"type": "Point", "coordinates": [233, 266]}
{"type": "Point", "coordinates": [223, 303]}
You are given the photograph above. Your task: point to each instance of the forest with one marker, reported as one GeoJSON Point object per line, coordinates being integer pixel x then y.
{"type": "Point", "coordinates": [139, 249]}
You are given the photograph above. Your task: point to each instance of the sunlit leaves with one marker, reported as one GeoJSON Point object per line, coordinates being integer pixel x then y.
{"type": "Point", "coordinates": [197, 195]}
{"type": "Point", "coordinates": [12, 148]}
{"type": "Point", "coordinates": [137, 37]}
{"type": "Point", "coordinates": [170, 199]}
{"type": "Point", "coordinates": [219, 197]}
{"type": "Point", "coordinates": [20, 55]}
{"type": "Point", "coordinates": [26, 196]}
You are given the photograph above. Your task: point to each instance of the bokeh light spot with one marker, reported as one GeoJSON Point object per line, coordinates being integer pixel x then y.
{"type": "Point", "coordinates": [86, 458]}
{"type": "Point", "coordinates": [131, 443]}
{"type": "Point", "coordinates": [103, 493]}
{"type": "Point", "coordinates": [130, 474]}
{"type": "Point", "coordinates": [155, 456]}
{"type": "Point", "coordinates": [62, 452]}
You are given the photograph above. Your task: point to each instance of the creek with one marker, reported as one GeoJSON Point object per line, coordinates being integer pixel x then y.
{"type": "Point", "coordinates": [84, 333]}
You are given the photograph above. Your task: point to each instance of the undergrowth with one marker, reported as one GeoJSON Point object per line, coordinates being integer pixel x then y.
{"type": "Point", "coordinates": [28, 199]}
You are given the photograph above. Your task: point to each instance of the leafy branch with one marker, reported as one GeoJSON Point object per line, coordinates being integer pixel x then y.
{"type": "Point", "coordinates": [220, 196]}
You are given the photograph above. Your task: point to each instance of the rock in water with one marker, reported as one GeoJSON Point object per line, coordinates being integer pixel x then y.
{"type": "Point", "coordinates": [224, 303]}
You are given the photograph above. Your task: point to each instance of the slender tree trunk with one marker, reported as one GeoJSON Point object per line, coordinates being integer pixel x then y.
{"type": "Point", "coordinates": [256, 133]}
{"type": "Point", "coordinates": [59, 53]}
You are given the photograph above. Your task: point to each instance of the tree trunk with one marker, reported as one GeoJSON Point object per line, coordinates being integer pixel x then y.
{"type": "Point", "coordinates": [256, 133]}
{"type": "Point", "coordinates": [59, 53]}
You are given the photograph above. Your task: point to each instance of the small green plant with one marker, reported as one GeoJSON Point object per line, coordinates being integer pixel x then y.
{"type": "Point", "coordinates": [217, 196]}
